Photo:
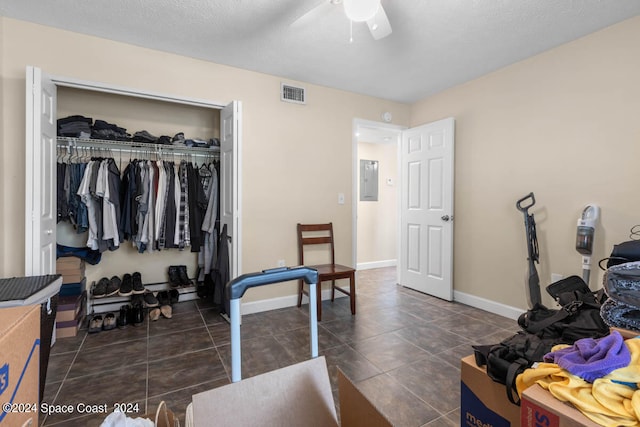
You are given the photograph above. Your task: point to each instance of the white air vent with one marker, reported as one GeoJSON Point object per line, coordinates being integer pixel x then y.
{"type": "Point", "coordinates": [294, 94]}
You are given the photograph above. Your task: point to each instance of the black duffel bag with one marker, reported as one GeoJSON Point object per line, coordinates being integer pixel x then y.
{"type": "Point", "coordinates": [542, 328]}
{"type": "Point", "coordinates": [623, 252]}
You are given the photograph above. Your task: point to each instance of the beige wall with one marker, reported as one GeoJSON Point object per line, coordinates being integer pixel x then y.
{"type": "Point", "coordinates": [296, 159]}
{"type": "Point", "coordinates": [563, 124]}
{"type": "Point", "coordinates": [378, 221]}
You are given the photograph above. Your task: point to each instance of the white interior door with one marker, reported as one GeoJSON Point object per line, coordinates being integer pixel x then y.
{"type": "Point", "coordinates": [426, 212]}
{"type": "Point", "coordinates": [40, 178]}
{"type": "Point", "coordinates": [230, 122]}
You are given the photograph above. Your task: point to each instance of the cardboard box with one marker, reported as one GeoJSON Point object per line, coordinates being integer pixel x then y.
{"type": "Point", "coordinates": [70, 328]}
{"type": "Point", "coordinates": [72, 277]}
{"type": "Point", "coordinates": [299, 394]}
{"type": "Point", "coordinates": [484, 402]}
{"type": "Point", "coordinates": [69, 307]}
{"type": "Point", "coordinates": [69, 262]}
{"type": "Point", "coordinates": [539, 407]}
{"type": "Point", "coordinates": [19, 364]}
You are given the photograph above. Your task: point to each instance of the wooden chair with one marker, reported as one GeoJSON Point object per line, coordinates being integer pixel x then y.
{"type": "Point", "coordinates": [322, 234]}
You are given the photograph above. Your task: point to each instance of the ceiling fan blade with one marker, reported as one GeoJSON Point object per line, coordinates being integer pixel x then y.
{"type": "Point", "coordinates": [313, 14]}
{"type": "Point", "coordinates": [379, 25]}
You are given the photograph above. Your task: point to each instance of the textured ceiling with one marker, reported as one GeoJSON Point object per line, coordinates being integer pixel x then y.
{"type": "Point", "coordinates": [435, 44]}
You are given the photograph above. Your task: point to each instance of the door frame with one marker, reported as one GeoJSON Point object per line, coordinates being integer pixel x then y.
{"type": "Point", "coordinates": [355, 139]}
{"type": "Point", "coordinates": [60, 81]}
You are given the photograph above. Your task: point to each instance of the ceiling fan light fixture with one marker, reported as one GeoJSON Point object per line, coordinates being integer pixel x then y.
{"type": "Point", "coordinates": [361, 10]}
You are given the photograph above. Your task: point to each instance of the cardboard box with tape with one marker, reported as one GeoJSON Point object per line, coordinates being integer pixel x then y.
{"type": "Point", "coordinates": [484, 402]}
{"type": "Point", "coordinates": [19, 365]}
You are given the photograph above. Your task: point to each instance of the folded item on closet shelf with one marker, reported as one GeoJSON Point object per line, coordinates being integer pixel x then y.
{"type": "Point", "coordinates": [73, 119]}
{"type": "Point", "coordinates": [620, 315]}
{"type": "Point", "coordinates": [75, 129]}
{"type": "Point", "coordinates": [144, 136]}
{"type": "Point", "coordinates": [196, 142]}
{"type": "Point", "coordinates": [178, 139]}
{"type": "Point", "coordinates": [164, 140]}
{"type": "Point", "coordinates": [104, 130]}
{"type": "Point", "coordinates": [590, 358]}
{"type": "Point", "coordinates": [622, 283]}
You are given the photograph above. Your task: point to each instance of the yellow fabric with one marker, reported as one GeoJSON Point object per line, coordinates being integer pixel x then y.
{"type": "Point", "coordinates": [606, 402]}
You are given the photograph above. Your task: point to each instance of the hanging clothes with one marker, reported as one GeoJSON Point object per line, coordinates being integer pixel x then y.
{"type": "Point", "coordinates": [153, 204]}
{"type": "Point", "coordinates": [221, 273]}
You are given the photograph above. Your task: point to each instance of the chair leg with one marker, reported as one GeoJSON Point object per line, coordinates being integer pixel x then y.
{"type": "Point", "coordinates": [352, 291]}
{"type": "Point", "coordinates": [300, 284]}
{"type": "Point", "coordinates": [333, 290]}
{"type": "Point", "coordinates": [319, 300]}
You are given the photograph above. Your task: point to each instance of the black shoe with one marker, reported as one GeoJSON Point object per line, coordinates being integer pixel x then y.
{"type": "Point", "coordinates": [165, 304]}
{"type": "Point", "coordinates": [100, 290]}
{"type": "Point", "coordinates": [174, 295]}
{"type": "Point", "coordinates": [113, 286]}
{"type": "Point", "coordinates": [163, 298]}
{"type": "Point", "coordinates": [174, 276]}
{"type": "Point", "coordinates": [138, 315]}
{"type": "Point", "coordinates": [126, 288]}
{"type": "Point", "coordinates": [184, 278]}
{"type": "Point", "coordinates": [138, 287]}
{"type": "Point", "coordinates": [123, 320]}
{"type": "Point", "coordinates": [150, 300]}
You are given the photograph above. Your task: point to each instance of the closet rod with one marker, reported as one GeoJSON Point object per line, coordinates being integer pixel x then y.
{"type": "Point", "coordinates": [137, 147]}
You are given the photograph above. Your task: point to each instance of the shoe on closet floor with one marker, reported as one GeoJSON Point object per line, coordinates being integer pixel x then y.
{"type": "Point", "coordinates": [123, 319]}
{"type": "Point", "coordinates": [138, 315]}
{"type": "Point", "coordinates": [138, 287]}
{"type": "Point", "coordinates": [184, 277]}
{"type": "Point", "coordinates": [174, 296]}
{"type": "Point", "coordinates": [165, 304]}
{"type": "Point", "coordinates": [113, 287]}
{"type": "Point", "coordinates": [174, 276]}
{"type": "Point", "coordinates": [154, 314]}
{"type": "Point", "coordinates": [150, 300]}
{"type": "Point", "coordinates": [95, 324]}
{"type": "Point", "coordinates": [109, 322]}
{"type": "Point", "coordinates": [100, 290]}
{"type": "Point", "coordinates": [126, 288]}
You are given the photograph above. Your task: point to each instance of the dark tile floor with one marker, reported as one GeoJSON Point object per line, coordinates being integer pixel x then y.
{"type": "Point", "coordinates": [402, 349]}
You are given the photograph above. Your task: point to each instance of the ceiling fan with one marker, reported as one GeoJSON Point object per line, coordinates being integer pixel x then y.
{"type": "Point", "coordinates": [369, 11]}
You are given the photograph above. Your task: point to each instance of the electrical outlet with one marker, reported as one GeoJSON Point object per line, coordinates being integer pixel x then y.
{"type": "Point", "coordinates": [555, 277]}
{"type": "Point", "coordinates": [281, 263]}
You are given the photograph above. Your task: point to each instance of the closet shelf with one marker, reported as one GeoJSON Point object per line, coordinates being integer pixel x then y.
{"type": "Point", "coordinates": [141, 147]}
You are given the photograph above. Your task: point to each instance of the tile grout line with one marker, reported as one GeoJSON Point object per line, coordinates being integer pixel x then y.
{"type": "Point", "coordinates": [213, 342]}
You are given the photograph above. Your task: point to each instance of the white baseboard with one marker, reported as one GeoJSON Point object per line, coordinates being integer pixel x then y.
{"type": "Point", "coordinates": [281, 302]}
{"type": "Point", "coordinates": [488, 305]}
{"type": "Point", "coordinates": [376, 264]}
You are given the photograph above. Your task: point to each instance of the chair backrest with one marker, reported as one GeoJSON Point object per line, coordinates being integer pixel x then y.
{"type": "Point", "coordinates": [315, 234]}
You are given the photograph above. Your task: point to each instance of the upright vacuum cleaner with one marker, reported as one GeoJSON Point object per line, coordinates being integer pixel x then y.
{"type": "Point", "coordinates": [533, 282]}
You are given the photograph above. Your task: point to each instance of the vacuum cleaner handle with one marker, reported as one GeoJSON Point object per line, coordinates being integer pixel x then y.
{"type": "Point", "coordinates": [522, 208]}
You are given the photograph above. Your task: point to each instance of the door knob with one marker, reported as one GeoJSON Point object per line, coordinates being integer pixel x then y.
{"type": "Point", "coordinates": [445, 218]}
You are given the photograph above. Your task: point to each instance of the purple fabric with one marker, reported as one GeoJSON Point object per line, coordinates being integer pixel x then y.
{"type": "Point", "coordinates": [591, 358]}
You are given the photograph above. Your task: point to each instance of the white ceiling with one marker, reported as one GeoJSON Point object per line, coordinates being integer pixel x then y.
{"type": "Point", "coordinates": [435, 44]}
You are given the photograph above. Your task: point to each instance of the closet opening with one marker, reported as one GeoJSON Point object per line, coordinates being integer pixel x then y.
{"type": "Point", "coordinates": [136, 111]}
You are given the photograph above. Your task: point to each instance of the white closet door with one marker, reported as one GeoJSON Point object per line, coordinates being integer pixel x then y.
{"type": "Point", "coordinates": [230, 198]}
{"type": "Point", "coordinates": [40, 178]}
